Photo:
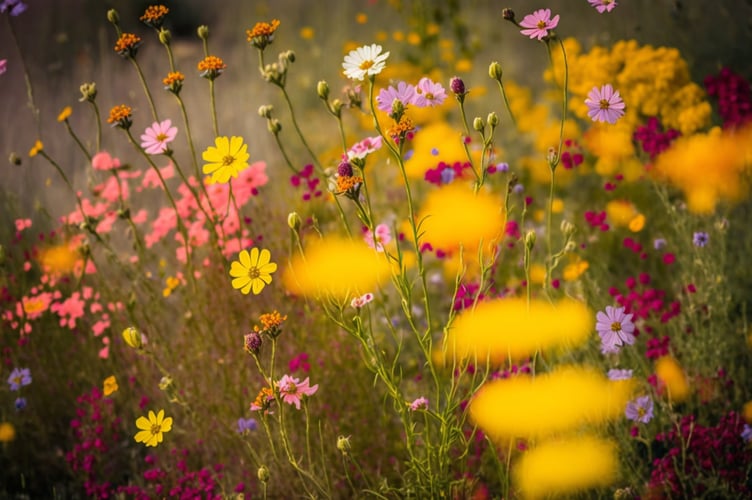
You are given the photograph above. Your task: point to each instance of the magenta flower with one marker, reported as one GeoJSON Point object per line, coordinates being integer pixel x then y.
{"type": "Point", "coordinates": [605, 104]}
{"type": "Point", "coordinates": [405, 93]}
{"type": "Point", "coordinates": [538, 23]}
{"type": "Point", "coordinates": [3, 66]}
{"type": "Point", "coordinates": [383, 237]}
{"type": "Point", "coordinates": [155, 139]}
{"type": "Point", "coordinates": [292, 390]}
{"type": "Point", "coordinates": [603, 5]}
{"type": "Point", "coordinates": [640, 410]}
{"type": "Point", "coordinates": [359, 302]}
{"type": "Point", "coordinates": [429, 93]}
{"type": "Point", "coordinates": [615, 329]}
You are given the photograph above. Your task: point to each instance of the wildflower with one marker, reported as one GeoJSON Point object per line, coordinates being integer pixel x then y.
{"type": "Point", "coordinates": [211, 67]}
{"type": "Point", "coordinates": [133, 338]}
{"type": "Point", "coordinates": [20, 403]}
{"type": "Point", "coordinates": [615, 328]}
{"type": "Point", "coordinates": [64, 114]}
{"type": "Point", "coordinates": [226, 159]}
{"type": "Point", "coordinates": [88, 92]}
{"type": "Point", "coordinates": [617, 374]}
{"type": "Point", "coordinates": [152, 428]}
{"type": "Point", "coordinates": [404, 93]}
{"type": "Point", "coordinates": [672, 378]}
{"type": "Point", "coordinates": [640, 410]}
{"type": "Point", "coordinates": [173, 82]}
{"type": "Point", "coordinates": [109, 385]}
{"type": "Point", "coordinates": [343, 444]}
{"type": "Point", "coordinates": [700, 239]}
{"type": "Point", "coordinates": [603, 5]}
{"type": "Point", "coordinates": [659, 243]}
{"type": "Point", "coordinates": [262, 34]}
{"type": "Point", "coordinates": [419, 404]}
{"type": "Point", "coordinates": [127, 45]}
{"type": "Point", "coordinates": [13, 7]}
{"type": "Point", "coordinates": [538, 23]}
{"type": "Point", "coordinates": [252, 271]}
{"type": "Point", "coordinates": [120, 116]}
{"type": "Point", "coordinates": [3, 66]}
{"type": "Point", "coordinates": [246, 425]}
{"type": "Point", "coordinates": [154, 16]}
{"type": "Point", "coordinates": [36, 149]}
{"type": "Point", "coordinates": [252, 342]}
{"type": "Point", "coordinates": [605, 104]}
{"type": "Point", "coordinates": [292, 390]}
{"type": "Point", "coordinates": [365, 147]}
{"type": "Point", "coordinates": [747, 433]}
{"type": "Point", "coordinates": [361, 301]}
{"type": "Point", "coordinates": [18, 378]}
{"type": "Point", "coordinates": [264, 400]}
{"type": "Point", "coordinates": [366, 60]}
{"type": "Point", "coordinates": [155, 139]}
{"type": "Point", "coordinates": [171, 282]}
{"type": "Point", "coordinates": [429, 93]}
{"type": "Point", "coordinates": [7, 432]}
{"type": "Point", "coordinates": [379, 237]}
{"type": "Point", "coordinates": [457, 86]}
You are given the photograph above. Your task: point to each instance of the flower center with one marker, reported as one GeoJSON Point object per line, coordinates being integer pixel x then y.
{"type": "Point", "coordinates": [641, 411]}
{"type": "Point", "coordinates": [615, 326]}
{"type": "Point", "coordinates": [429, 96]}
{"type": "Point", "coordinates": [542, 25]}
{"type": "Point", "coordinates": [155, 429]}
{"type": "Point", "coordinates": [604, 104]}
{"type": "Point", "coordinates": [161, 137]}
{"type": "Point", "coordinates": [366, 64]}
{"type": "Point", "coordinates": [254, 273]}
{"type": "Point", "coordinates": [228, 160]}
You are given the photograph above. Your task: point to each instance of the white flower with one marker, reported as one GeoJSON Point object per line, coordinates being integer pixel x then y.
{"type": "Point", "coordinates": [365, 60]}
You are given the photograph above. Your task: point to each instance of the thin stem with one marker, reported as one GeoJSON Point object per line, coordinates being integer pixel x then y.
{"type": "Point", "coordinates": [78, 141]}
{"type": "Point", "coordinates": [99, 125]}
{"type": "Point", "coordinates": [506, 102]}
{"type": "Point", "coordinates": [146, 88]}
{"type": "Point", "coordinates": [213, 107]}
{"type": "Point", "coordinates": [297, 128]}
{"type": "Point", "coordinates": [27, 78]}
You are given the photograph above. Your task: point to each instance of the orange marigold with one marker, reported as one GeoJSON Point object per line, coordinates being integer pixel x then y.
{"type": "Point", "coordinates": [120, 115]}
{"type": "Point", "coordinates": [154, 15]}
{"type": "Point", "coordinates": [173, 81]}
{"type": "Point", "coordinates": [127, 44]}
{"type": "Point", "coordinates": [262, 34]}
{"type": "Point", "coordinates": [211, 67]}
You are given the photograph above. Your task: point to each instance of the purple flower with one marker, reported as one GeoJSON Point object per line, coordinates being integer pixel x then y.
{"type": "Point", "coordinates": [457, 85]}
{"type": "Point", "coordinates": [617, 374]}
{"type": "Point", "coordinates": [419, 404]}
{"type": "Point", "coordinates": [603, 5]}
{"type": "Point", "coordinates": [700, 239]}
{"type": "Point", "coordinates": [20, 404]}
{"type": "Point", "coordinates": [538, 23]}
{"type": "Point", "coordinates": [605, 104]}
{"type": "Point", "coordinates": [247, 425]}
{"type": "Point", "coordinates": [404, 93]}
{"type": "Point", "coordinates": [429, 93]}
{"type": "Point", "coordinates": [14, 7]}
{"type": "Point", "coordinates": [747, 433]}
{"type": "Point", "coordinates": [18, 378]}
{"type": "Point", "coordinates": [615, 328]}
{"type": "Point", "coordinates": [640, 410]}
{"type": "Point", "coordinates": [659, 243]}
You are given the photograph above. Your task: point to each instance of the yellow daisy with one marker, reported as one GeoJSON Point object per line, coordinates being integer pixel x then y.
{"type": "Point", "coordinates": [252, 271]}
{"type": "Point", "coordinates": [228, 157]}
{"type": "Point", "coordinates": [152, 428]}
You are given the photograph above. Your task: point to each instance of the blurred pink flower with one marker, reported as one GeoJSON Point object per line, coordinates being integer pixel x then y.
{"type": "Point", "coordinates": [292, 390]}
{"type": "Point", "coordinates": [103, 161]}
{"type": "Point", "coordinates": [605, 104]}
{"type": "Point", "coordinates": [383, 237]}
{"type": "Point", "coordinates": [365, 147]}
{"type": "Point", "coordinates": [429, 93]}
{"type": "Point", "coordinates": [419, 404]}
{"type": "Point", "coordinates": [603, 5]}
{"type": "Point", "coordinates": [3, 66]}
{"type": "Point", "coordinates": [156, 138]}
{"type": "Point", "coordinates": [151, 179]}
{"type": "Point", "coordinates": [22, 224]}
{"type": "Point", "coordinates": [404, 93]}
{"type": "Point", "coordinates": [538, 23]}
{"type": "Point", "coordinates": [359, 302]}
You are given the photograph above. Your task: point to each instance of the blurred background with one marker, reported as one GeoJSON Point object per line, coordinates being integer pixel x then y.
{"type": "Point", "coordinates": [68, 42]}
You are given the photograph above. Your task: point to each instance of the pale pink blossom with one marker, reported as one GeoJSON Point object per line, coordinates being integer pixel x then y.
{"type": "Point", "coordinates": [365, 147]}
{"type": "Point", "coordinates": [151, 178]}
{"type": "Point", "coordinates": [361, 301]}
{"type": "Point", "coordinates": [419, 404]}
{"type": "Point", "coordinates": [429, 93]}
{"type": "Point", "coordinates": [156, 138]}
{"type": "Point", "coordinates": [378, 238]}
{"type": "Point", "coordinates": [292, 390]}
{"type": "Point", "coordinates": [605, 104]}
{"type": "Point", "coordinates": [22, 224]}
{"type": "Point", "coordinates": [603, 5]}
{"type": "Point", "coordinates": [69, 310]}
{"type": "Point", "coordinates": [104, 352]}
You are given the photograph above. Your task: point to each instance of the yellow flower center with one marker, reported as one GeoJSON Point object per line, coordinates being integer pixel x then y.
{"type": "Point", "coordinates": [366, 64]}
{"type": "Point", "coordinates": [615, 326]}
{"type": "Point", "coordinates": [541, 25]}
{"type": "Point", "coordinates": [254, 272]}
{"type": "Point", "coordinates": [604, 104]}
{"type": "Point", "coordinates": [228, 160]}
{"type": "Point", "coordinates": [155, 429]}
{"type": "Point", "coordinates": [161, 137]}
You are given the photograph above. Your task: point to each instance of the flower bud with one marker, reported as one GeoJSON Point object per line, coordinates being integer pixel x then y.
{"type": "Point", "coordinates": [493, 119]}
{"type": "Point", "coordinates": [343, 444]}
{"type": "Point", "coordinates": [478, 124]}
{"type": "Point", "coordinates": [113, 17]}
{"type": "Point", "coordinates": [252, 342]}
{"type": "Point", "coordinates": [88, 92]}
{"type": "Point", "coordinates": [165, 36]}
{"type": "Point", "coordinates": [265, 111]}
{"type": "Point", "coordinates": [287, 56]}
{"type": "Point", "coordinates": [457, 86]}
{"type": "Point", "coordinates": [337, 107]}
{"type": "Point", "coordinates": [167, 384]}
{"type": "Point", "coordinates": [344, 169]}
{"type": "Point", "coordinates": [133, 338]}
{"type": "Point", "coordinates": [494, 71]}
{"type": "Point", "coordinates": [293, 221]}
{"type": "Point", "coordinates": [508, 14]}
{"type": "Point", "coordinates": [14, 159]}
{"type": "Point", "coordinates": [203, 32]}
{"type": "Point", "coordinates": [530, 238]}
{"type": "Point", "coordinates": [263, 474]}
{"type": "Point", "coordinates": [322, 89]}
{"type": "Point", "coordinates": [570, 247]}
{"type": "Point", "coordinates": [274, 126]}
{"type": "Point", "coordinates": [567, 228]}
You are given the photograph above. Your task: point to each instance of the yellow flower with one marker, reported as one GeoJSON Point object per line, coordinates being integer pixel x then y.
{"type": "Point", "coordinates": [59, 259]}
{"type": "Point", "coordinates": [565, 466]}
{"type": "Point", "coordinates": [252, 271]}
{"type": "Point", "coordinates": [574, 270]}
{"type": "Point", "coordinates": [747, 412]}
{"type": "Point", "coordinates": [7, 432]}
{"type": "Point", "coordinates": [38, 147]}
{"type": "Point", "coordinates": [132, 337]}
{"type": "Point", "coordinates": [152, 428]}
{"type": "Point", "coordinates": [670, 373]}
{"type": "Point", "coordinates": [637, 224]}
{"type": "Point", "coordinates": [110, 385]}
{"type": "Point", "coordinates": [120, 116]}
{"type": "Point", "coordinates": [172, 283]}
{"type": "Point", "coordinates": [64, 114]}
{"type": "Point", "coordinates": [226, 159]}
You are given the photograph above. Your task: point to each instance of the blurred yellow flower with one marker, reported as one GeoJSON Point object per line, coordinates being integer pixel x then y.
{"type": "Point", "coordinates": [64, 114]}
{"type": "Point", "coordinates": [252, 271]}
{"type": "Point", "coordinates": [171, 283]}
{"type": "Point", "coordinates": [574, 270]}
{"type": "Point", "coordinates": [133, 337]}
{"type": "Point", "coordinates": [36, 149]}
{"type": "Point", "coordinates": [673, 378]}
{"type": "Point", "coordinates": [566, 466]}
{"type": "Point", "coordinates": [307, 33]}
{"type": "Point", "coordinates": [637, 223]}
{"type": "Point", "coordinates": [225, 159]}
{"type": "Point", "coordinates": [620, 212]}
{"type": "Point", "coordinates": [59, 259]}
{"type": "Point", "coordinates": [152, 428]}
{"type": "Point", "coordinates": [533, 407]}
{"type": "Point", "coordinates": [436, 142]}
{"type": "Point", "coordinates": [504, 328]}
{"type": "Point", "coordinates": [7, 432]}
{"type": "Point", "coordinates": [110, 385]}
{"type": "Point", "coordinates": [747, 412]}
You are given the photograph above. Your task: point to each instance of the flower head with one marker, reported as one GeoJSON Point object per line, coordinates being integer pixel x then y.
{"type": "Point", "coordinates": [271, 323]}
{"type": "Point", "coordinates": [36, 149]}
{"type": "Point", "coordinates": [225, 159]}
{"type": "Point", "coordinates": [109, 385]}
{"type": "Point", "coordinates": [252, 271]}
{"type": "Point", "coordinates": [615, 328]}
{"type": "Point", "coordinates": [154, 15]}
{"type": "Point", "coordinates": [127, 45]}
{"type": "Point", "coordinates": [246, 425]}
{"type": "Point", "coordinates": [7, 432]}
{"type": "Point", "coordinates": [264, 400]}
{"type": "Point", "coordinates": [538, 23]}
{"type": "Point", "coordinates": [605, 104]}
{"type": "Point", "coordinates": [404, 93]}
{"type": "Point", "coordinates": [120, 116]}
{"type": "Point", "coordinates": [367, 60]}
{"type": "Point", "coordinates": [155, 139]}
{"type": "Point", "coordinates": [211, 67]}
{"type": "Point", "coordinates": [361, 301]}
{"type": "Point", "coordinates": [173, 82]}
{"type": "Point", "coordinates": [640, 410]}
{"type": "Point", "coordinates": [152, 428]}
{"type": "Point", "coordinates": [379, 237]}
{"type": "Point", "coordinates": [262, 34]}
{"type": "Point", "coordinates": [603, 5]}
{"type": "Point", "coordinates": [292, 390]}
{"type": "Point", "coordinates": [429, 93]}
{"type": "Point", "coordinates": [419, 404]}
{"type": "Point", "coordinates": [13, 7]}
{"type": "Point", "coordinates": [364, 148]}
{"type": "Point", "coordinates": [3, 66]}
{"type": "Point", "coordinates": [18, 378]}
{"type": "Point", "coordinates": [64, 114]}
{"type": "Point", "coordinates": [700, 239]}
{"type": "Point", "coordinates": [133, 338]}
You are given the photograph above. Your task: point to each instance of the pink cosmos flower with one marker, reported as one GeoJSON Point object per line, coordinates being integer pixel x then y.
{"type": "Point", "coordinates": [405, 93]}
{"type": "Point", "coordinates": [383, 237]}
{"type": "Point", "coordinates": [359, 302]}
{"type": "Point", "coordinates": [103, 161]}
{"type": "Point", "coordinates": [603, 5]}
{"type": "Point", "coordinates": [292, 390]}
{"type": "Point", "coordinates": [538, 23]}
{"type": "Point", "coordinates": [615, 329]}
{"type": "Point", "coordinates": [429, 93]}
{"type": "Point", "coordinates": [364, 148]}
{"type": "Point", "coordinates": [155, 139]}
{"type": "Point", "coordinates": [605, 104]}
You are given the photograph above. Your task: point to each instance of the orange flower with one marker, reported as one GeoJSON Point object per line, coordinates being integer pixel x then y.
{"type": "Point", "coordinates": [211, 67]}
{"type": "Point", "coordinates": [120, 116]}
{"type": "Point", "coordinates": [154, 15]}
{"type": "Point", "coordinates": [262, 34]}
{"type": "Point", "coordinates": [127, 44]}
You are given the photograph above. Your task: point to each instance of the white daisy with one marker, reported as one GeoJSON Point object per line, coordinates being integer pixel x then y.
{"type": "Point", "coordinates": [365, 60]}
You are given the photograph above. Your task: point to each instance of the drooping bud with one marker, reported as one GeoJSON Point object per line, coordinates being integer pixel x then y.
{"type": "Point", "coordinates": [265, 111]}
{"type": "Point", "coordinates": [508, 14]}
{"type": "Point", "coordinates": [494, 71]}
{"type": "Point", "coordinates": [294, 221]}
{"type": "Point", "coordinates": [165, 36]}
{"type": "Point", "coordinates": [322, 89]}
{"type": "Point", "coordinates": [113, 17]}
{"type": "Point", "coordinates": [132, 337]}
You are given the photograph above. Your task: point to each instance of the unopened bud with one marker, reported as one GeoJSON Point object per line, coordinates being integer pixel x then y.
{"type": "Point", "coordinates": [337, 106]}
{"type": "Point", "coordinates": [252, 342]}
{"type": "Point", "coordinates": [132, 337]}
{"type": "Point", "coordinates": [203, 32]}
{"type": "Point", "coordinates": [294, 222]}
{"type": "Point", "coordinates": [113, 17]}
{"type": "Point", "coordinates": [165, 36]}
{"type": "Point", "coordinates": [322, 89]}
{"type": "Point", "coordinates": [494, 71]}
{"type": "Point", "coordinates": [265, 111]}
{"type": "Point", "coordinates": [167, 384]}
{"type": "Point", "coordinates": [288, 56]}
{"type": "Point", "coordinates": [478, 124]}
{"type": "Point", "coordinates": [263, 474]}
{"type": "Point", "coordinates": [457, 86]}
{"type": "Point", "coordinates": [530, 238]}
{"type": "Point", "coordinates": [274, 126]}
{"type": "Point", "coordinates": [567, 228]}
{"type": "Point", "coordinates": [508, 14]}
{"type": "Point", "coordinates": [343, 444]}
{"type": "Point", "coordinates": [88, 91]}
{"type": "Point", "coordinates": [14, 159]}
{"type": "Point", "coordinates": [493, 119]}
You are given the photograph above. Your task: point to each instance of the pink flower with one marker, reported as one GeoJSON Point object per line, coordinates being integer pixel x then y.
{"type": "Point", "coordinates": [292, 390]}
{"type": "Point", "coordinates": [538, 23]}
{"type": "Point", "coordinates": [151, 178]}
{"type": "Point", "coordinates": [382, 237]}
{"type": "Point", "coordinates": [22, 224]}
{"type": "Point", "coordinates": [364, 148]}
{"type": "Point", "coordinates": [359, 302]}
{"type": "Point", "coordinates": [429, 93]}
{"type": "Point", "coordinates": [419, 404]}
{"type": "Point", "coordinates": [404, 93]}
{"type": "Point", "coordinates": [103, 161]}
{"type": "Point", "coordinates": [605, 104]}
{"type": "Point", "coordinates": [3, 66]}
{"type": "Point", "coordinates": [603, 5]}
{"type": "Point", "coordinates": [155, 139]}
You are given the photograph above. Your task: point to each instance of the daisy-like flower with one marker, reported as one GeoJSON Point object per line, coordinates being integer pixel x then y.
{"type": "Point", "coordinates": [382, 237]}
{"type": "Point", "coordinates": [153, 428]}
{"type": "Point", "coordinates": [404, 93]}
{"type": "Point", "coordinates": [364, 61]}
{"type": "Point", "coordinates": [615, 329]}
{"type": "Point", "coordinates": [225, 159]}
{"type": "Point", "coordinates": [155, 139]}
{"type": "Point", "coordinates": [364, 148]}
{"type": "Point", "coordinates": [361, 301]}
{"type": "Point", "coordinates": [603, 5]}
{"type": "Point", "coordinates": [539, 23]}
{"type": "Point", "coordinates": [292, 390]}
{"type": "Point", "coordinates": [264, 400]}
{"type": "Point", "coordinates": [18, 378]}
{"type": "Point", "coordinates": [640, 410]}
{"type": "Point", "coordinates": [605, 104]}
{"type": "Point", "coordinates": [252, 271]}
{"type": "Point", "coordinates": [429, 93]}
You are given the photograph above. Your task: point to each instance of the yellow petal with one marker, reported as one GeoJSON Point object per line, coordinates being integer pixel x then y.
{"type": "Point", "coordinates": [235, 144]}
{"type": "Point", "coordinates": [258, 285]}
{"type": "Point", "coordinates": [237, 270]}
{"type": "Point", "coordinates": [167, 424]}
{"type": "Point", "coordinates": [245, 259]}
{"type": "Point", "coordinates": [143, 423]}
{"type": "Point", "coordinates": [241, 283]}
{"type": "Point", "coordinates": [223, 144]}
{"type": "Point", "coordinates": [254, 257]}
{"type": "Point", "coordinates": [264, 257]}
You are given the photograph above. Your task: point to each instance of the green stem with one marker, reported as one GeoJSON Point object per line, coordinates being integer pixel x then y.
{"type": "Point", "coordinates": [27, 78]}
{"type": "Point", "coordinates": [78, 141]}
{"type": "Point", "coordinates": [99, 125]}
{"type": "Point", "coordinates": [213, 107]}
{"type": "Point", "coordinates": [297, 128]}
{"type": "Point", "coordinates": [146, 88]}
